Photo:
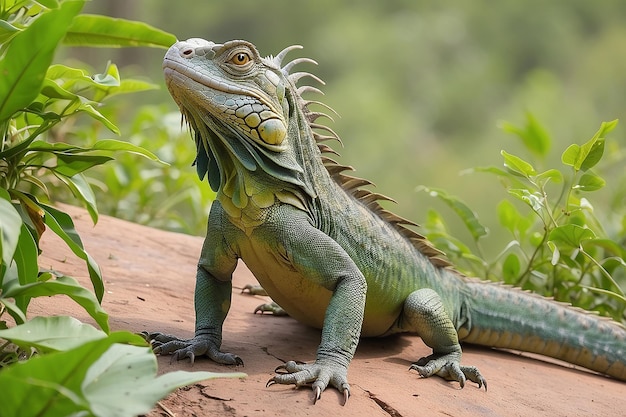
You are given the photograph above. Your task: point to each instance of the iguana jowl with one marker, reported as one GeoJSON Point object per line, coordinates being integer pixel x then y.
{"type": "Point", "coordinates": [322, 246]}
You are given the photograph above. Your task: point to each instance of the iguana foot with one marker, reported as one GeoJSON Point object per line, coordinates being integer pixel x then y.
{"type": "Point", "coordinates": [272, 307]}
{"type": "Point", "coordinates": [165, 344]}
{"type": "Point", "coordinates": [448, 367]}
{"type": "Point", "coordinates": [253, 290]}
{"type": "Point", "coordinates": [317, 374]}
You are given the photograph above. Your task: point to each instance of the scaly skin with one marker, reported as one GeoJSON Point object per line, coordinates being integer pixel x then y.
{"type": "Point", "coordinates": [322, 246]}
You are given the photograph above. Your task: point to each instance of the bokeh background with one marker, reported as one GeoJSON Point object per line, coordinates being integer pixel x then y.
{"type": "Point", "coordinates": [421, 87]}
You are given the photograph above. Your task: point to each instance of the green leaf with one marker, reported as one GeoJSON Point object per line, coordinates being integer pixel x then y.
{"type": "Point", "coordinates": [104, 377]}
{"type": "Point", "coordinates": [51, 384]}
{"type": "Point", "coordinates": [533, 135]}
{"type": "Point", "coordinates": [591, 154]}
{"type": "Point", "coordinates": [72, 164]}
{"type": "Point", "coordinates": [517, 165]}
{"type": "Point", "coordinates": [62, 285]}
{"type": "Point", "coordinates": [118, 145]}
{"type": "Point", "coordinates": [570, 155]}
{"type": "Point", "coordinates": [553, 175]}
{"type": "Point", "coordinates": [510, 218]}
{"type": "Point", "coordinates": [83, 191]}
{"type": "Point", "coordinates": [469, 217]}
{"type": "Point", "coordinates": [24, 63]}
{"type": "Point", "coordinates": [128, 373]}
{"type": "Point", "coordinates": [608, 245]}
{"type": "Point", "coordinates": [590, 181]}
{"type": "Point", "coordinates": [10, 229]}
{"type": "Point", "coordinates": [83, 106]}
{"type": "Point", "coordinates": [584, 157]}
{"type": "Point", "coordinates": [534, 200]}
{"type": "Point", "coordinates": [62, 224]}
{"type": "Point", "coordinates": [570, 235]}
{"type": "Point", "coordinates": [51, 334]}
{"type": "Point", "coordinates": [7, 31]}
{"type": "Point", "coordinates": [26, 256]}
{"type": "Point", "coordinates": [52, 90]}
{"type": "Point", "coordinates": [556, 254]}
{"type": "Point", "coordinates": [94, 30]}
{"type": "Point", "coordinates": [511, 268]}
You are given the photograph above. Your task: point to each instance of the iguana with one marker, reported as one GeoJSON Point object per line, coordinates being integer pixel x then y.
{"type": "Point", "coordinates": [325, 249]}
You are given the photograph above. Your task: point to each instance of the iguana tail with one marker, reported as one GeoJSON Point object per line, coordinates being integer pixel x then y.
{"type": "Point", "coordinates": [503, 317]}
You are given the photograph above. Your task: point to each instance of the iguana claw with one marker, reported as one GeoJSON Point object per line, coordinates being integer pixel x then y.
{"type": "Point", "coordinates": [320, 375]}
{"type": "Point", "coordinates": [164, 344]}
{"type": "Point", "coordinates": [448, 367]}
{"type": "Point", "coordinates": [253, 290]}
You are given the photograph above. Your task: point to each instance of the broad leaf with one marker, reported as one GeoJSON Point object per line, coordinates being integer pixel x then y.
{"type": "Point", "coordinates": [10, 228]}
{"type": "Point", "coordinates": [25, 257]}
{"type": "Point", "coordinates": [51, 384]}
{"type": "Point", "coordinates": [533, 135]}
{"type": "Point", "coordinates": [62, 285]}
{"type": "Point", "coordinates": [590, 181]}
{"type": "Point", "coordinates": [83, 191]}
{"type": "Point", "coordinates": [118, 145]}
{"type": "Point", "coordinates": [570, 235]}
{"type": "Point", "coordinates": [104, 377]}
{"type": "Point", "coordinates": [72, 164]}
{"type": "Point", "coordinates": [63, 226]}
{"type": "Point", "coordinates": [511, 268]}
{"type": "Point", "coordinates": [534, 200]}
{"type": "Point", "coordinates": [553, 175]}
{"type": "Point", "coordinates": [469, 217]}
{"type": "Point", "coordinates": [128, 373]}
{"type": "Point", "coordinates": [517, 165]}
{"type": "Point", "coordinates": [50, 334]}
{"type": "Point", "coordinates": [94, 30]}
{"type": "Point", "coordinates": [584, 157]}
{"type": "Point", "coordinates": [25, 61]}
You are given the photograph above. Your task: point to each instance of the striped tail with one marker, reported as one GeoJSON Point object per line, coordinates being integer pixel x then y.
{"type": "Point", "coordinates": [499, 316]}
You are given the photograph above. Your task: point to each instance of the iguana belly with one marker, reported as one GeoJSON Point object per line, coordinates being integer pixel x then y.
{"type": "Point", "coordinates": [307, 302]}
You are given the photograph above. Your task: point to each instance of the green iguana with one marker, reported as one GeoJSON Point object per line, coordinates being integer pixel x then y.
{"type": "Point", "coordinates": [324, 248]}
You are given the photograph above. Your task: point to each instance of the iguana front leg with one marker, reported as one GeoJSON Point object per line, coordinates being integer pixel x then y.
{"type": "Point", "coordinates": [425, 315]}
{"type": "Point", "coordinates": [319, 259]}
{"type": "Point", "coordinates": [212, 300]}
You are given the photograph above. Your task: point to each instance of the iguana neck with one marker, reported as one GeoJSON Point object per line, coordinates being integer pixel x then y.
{"type": "Point", "coordinates": [250, 125]}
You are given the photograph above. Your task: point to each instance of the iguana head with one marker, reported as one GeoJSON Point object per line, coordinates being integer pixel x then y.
{"type": "Point", "coordinates": [246, 115]}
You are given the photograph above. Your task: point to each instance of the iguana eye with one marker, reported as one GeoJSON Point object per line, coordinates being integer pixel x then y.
{"type": "Point", "coordinates": [240, 58]}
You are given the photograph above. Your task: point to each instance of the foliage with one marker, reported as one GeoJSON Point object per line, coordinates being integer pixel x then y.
{"type": "Point", "coordinates": [81, 370]}
{"type": "Point", "coordinates": [86, 372]}
{"type": "Point", "coordinates": [560, 246]}
{"type": "Point", "coordinates": [168, 196]}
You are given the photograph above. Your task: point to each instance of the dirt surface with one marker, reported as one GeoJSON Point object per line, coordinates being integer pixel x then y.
{"type": "Point", "coordinates": [150, 275]}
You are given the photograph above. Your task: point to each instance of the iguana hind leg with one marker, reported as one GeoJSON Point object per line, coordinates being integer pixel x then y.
{"type": "Point", "coordinates": [425, 314]}
{"type": "Point", "coordinates": [272, 307]}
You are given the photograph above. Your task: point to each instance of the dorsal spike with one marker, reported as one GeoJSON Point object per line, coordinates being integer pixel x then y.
{"type": "Point", "coordinates": [319, 103]}
{"type": "Point", "coordinates": [287, 68]}
{"type": "Point", "coordinates": [334, 170]}
{"type": "Point", "coordinates": [326, 149]}
{"type": "Point", "coordinates": [281, 55]}
{"type": "Point", "coordinates": [297, 76]}
{"type": "Point", "coordinates": [313, 116]}
{"type": "Point", "coordinates": [309, 89]}
{"type": "Point", "coordinates": [324, 128]}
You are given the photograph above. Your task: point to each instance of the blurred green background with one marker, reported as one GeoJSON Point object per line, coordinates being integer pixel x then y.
{"type": "Point", "coordinates": [421, 88]}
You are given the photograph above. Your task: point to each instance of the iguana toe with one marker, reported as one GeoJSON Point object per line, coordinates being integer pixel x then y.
{"type": "Point", "coordinates": [317, 374]}
{"type": "Point", "coordinates": [163, 344]}
{"type": "Point", "coordinates": [253, 290]}
{"type": "Point", "coordinates": [448, 367]}
{"type": "Point", "coordinates": [272, 308]}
